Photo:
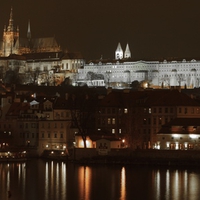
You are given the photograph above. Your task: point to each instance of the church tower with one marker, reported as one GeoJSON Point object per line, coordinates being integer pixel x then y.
{"type": "Point", "coordinates": [127, 53]}
{"type": "Point", "coordinates": [119, 52]}
{"type": "Point", "coordinates": [10, 36]}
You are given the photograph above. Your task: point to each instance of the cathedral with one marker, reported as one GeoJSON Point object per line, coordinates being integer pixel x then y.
{"type": "Point", "coordinates": [39, 61]}
{"type": "Point", "coordinates": [123, 71]}
{"type": "Point", "coordinates": [13, 44]}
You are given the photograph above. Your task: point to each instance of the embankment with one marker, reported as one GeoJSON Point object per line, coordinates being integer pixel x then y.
{"type": "Point", "coordinates": [137, 157]}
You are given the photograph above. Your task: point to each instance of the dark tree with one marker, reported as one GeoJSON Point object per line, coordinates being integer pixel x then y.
{"type": "Point", "coordinates": [135, 85]}
{"type": "Point", "coordinates": [11, 77]}
{"type": "Point", "coordinates": [82, 112]}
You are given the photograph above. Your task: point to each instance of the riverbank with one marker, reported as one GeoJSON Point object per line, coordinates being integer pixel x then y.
{"type": "Point", "coordinates": [138, 157]}
{"type": "Point", "coordinates": [117, 156]}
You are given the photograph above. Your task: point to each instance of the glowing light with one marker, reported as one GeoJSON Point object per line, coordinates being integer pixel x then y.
{"type": "Point", "coordinates": [186, 145]}
{"type": "Point", "coordinates": [167, 144]}
{"type": "Point", "coordinates": [176, 145]}
{"type": "Point", "coordinates": [145, 85]}
{"type": "Point", "coordinates": [175, 135]}
{"type": "Point", "coordinates": [47, 146]}
{"type": "Point", "coordinates": [88, 143]}
{"type": "Point", "coordinates": [193, 136]}
{"type": "Point", "coordinates": [52, 152]}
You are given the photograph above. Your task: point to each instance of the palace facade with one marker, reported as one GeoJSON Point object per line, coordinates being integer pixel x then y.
{"type": "Point", "coordinates": [123, 70]}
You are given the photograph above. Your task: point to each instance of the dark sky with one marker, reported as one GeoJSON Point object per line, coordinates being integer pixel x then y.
{"type": "Point", "coordinates": [154, 29]}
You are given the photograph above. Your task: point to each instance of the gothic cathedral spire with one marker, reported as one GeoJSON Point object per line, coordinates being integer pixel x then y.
{"type": "Point", "coordinates": [11, 26]}
{"type": "Point", "coordinates": [10, 37]}
{"type": "Point", "coordinates": [29, 31]}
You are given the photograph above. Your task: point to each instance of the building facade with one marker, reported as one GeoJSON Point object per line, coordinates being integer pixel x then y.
{"type": "Point", "coordinates": [137, 116]}
{"type": "Point", "coordinates": [179, 134]}
{"type": "Point", "coordinates": [123, 70]}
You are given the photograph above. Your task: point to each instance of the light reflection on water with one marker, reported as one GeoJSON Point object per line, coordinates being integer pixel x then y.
{"type": "Point", "coordinates": [51, 180]}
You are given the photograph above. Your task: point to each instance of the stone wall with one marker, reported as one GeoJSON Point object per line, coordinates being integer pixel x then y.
{"type": "Point", "coordinates": [127, 156]}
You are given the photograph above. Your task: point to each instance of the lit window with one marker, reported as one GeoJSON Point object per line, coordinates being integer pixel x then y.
{"type": "Point", "coordinates": [113, 120]}
{"type": "Point", "coordinates": [109, 121]}
{"type": "Point", "coordinates": [125, 110]}
{"type": "Point", "coordinates": [113, 131]}
{"type": "Point", "coordinates": [149, 110]}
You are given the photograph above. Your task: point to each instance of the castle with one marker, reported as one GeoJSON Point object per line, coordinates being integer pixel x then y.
{"type": "Point", "coordinates": [123, 70]}
{"type": "Point", "coordinates": [39, 61]}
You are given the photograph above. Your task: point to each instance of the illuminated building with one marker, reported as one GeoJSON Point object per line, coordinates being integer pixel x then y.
{"type": "Point", "coordinates": [180, 133]}
{"type": "Point", "coordinates": [39, 61]}
{"type": "Point", "coordinates": [138, 116]}
{"type": "Point", "coordinates": [123, 70]}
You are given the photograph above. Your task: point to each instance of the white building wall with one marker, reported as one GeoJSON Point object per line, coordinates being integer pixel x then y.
{"type": "Point", "coordinates": [158, 74]}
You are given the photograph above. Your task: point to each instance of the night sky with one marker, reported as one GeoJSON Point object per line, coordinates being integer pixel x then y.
{"type": "Point", "coordinates": [154, 29]}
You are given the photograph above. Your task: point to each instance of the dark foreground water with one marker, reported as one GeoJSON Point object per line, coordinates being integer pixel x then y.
{"type": "Point", "coordinates": [51, 180]}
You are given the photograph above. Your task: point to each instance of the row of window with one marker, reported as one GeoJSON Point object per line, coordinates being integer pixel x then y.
{"type": "Point", "coordinates": [28, 125]}
{"type": "Point", "coordinates": [62, 114]}
{"type": "Point", "coordinates": [146, 121]}
{"type": "Point", "coordinates": [51, 125]}
{"type": "Point", "coordinates": [180, 138]}
{"type": "Point", "coordinates": [149, 110]}
{"type": "Point", "coordinates": [51, 135]}
{"type": "Point", "coordinates": [29, 135]}
{"type": "Point", "coordinates": [113, 110]}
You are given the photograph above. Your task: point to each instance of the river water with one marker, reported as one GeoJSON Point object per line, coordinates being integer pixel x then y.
{"type": "Point", "coordinates": [53, 180]}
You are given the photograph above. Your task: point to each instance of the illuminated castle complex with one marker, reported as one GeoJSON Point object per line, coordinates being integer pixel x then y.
{"type": "Point", "coordinates": [123, 70]}
{"type": "Point", "coordinates": [41, 61]}
{"type": "Point", "coordinates": [34, 60]}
